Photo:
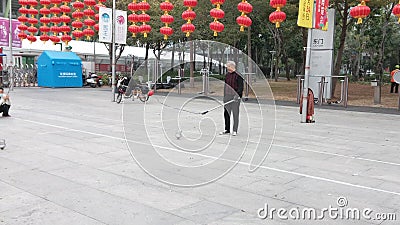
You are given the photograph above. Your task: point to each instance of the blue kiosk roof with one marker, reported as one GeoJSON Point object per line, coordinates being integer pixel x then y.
{"type": "Point", "coordinates": [61, 55]}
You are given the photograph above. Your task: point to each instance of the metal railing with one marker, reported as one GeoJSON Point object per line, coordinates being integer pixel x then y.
{"type": "Point", "coordinates": [344, 89]}
{"type": "Point", "coordinates": [24, 76]}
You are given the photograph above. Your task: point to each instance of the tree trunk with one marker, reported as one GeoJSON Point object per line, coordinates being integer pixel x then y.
{"type": "Point", "coordinates": [173, 57]}
{"type": "Point", "coordinates": [342, 40]}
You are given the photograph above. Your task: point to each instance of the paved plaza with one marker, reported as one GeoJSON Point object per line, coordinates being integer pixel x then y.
{"type": "Point", "coordinates": [67, 161]}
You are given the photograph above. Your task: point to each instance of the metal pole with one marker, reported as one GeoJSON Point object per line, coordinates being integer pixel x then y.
{"type": "Point", "coordinates": [94, 54]}
{"type": "Point", "coordinates": [306, 77]}
{"type": "Point", "coordinates": [11, 75]}
{"type": "Point", "coordinates": [113, 52]}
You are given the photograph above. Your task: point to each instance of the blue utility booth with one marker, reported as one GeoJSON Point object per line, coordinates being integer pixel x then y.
{"type": "Point", "coordinates": [59, 69]}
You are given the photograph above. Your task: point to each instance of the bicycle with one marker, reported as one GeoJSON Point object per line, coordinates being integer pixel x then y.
{"type": "Point", "coordinates": [141, 92]}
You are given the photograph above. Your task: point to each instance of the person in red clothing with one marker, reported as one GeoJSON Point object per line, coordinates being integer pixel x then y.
{"type": "Point", "coordinates": [233, 90]}
{"type": "Point", "coordinates": [394, 85]}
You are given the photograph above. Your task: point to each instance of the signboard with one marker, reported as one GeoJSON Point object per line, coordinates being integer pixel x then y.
{"type": "Point", "coordinates": [105, 24]}
{"type": "Point", "coordinates": [321, 15]}
{"type": "Point", "coordinates": [321, 58]}
{"type": "Point", "coordinates": [5, 32]}
{"type": "Point", "coordinates": [396, 77]}
{"type": "Point", "coordinates": [121, 27]}
{"type": "Point", "coordinates": [306, 8]}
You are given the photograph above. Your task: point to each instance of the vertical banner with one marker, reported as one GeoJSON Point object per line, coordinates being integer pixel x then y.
{"type": "Point", "coordinates": [105, 24]}
{"type": "Point", "coordinates": [321, 15]}
{"type": "Point", "coordinates": [306, 8]}
{"type": "Point", "coordinates": [121, 27]}
{"type": "Point", "coordinates": [5, 32]}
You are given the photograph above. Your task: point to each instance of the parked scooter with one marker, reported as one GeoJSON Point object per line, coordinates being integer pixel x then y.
{"type": "Point", "coordinates": [94, 81]}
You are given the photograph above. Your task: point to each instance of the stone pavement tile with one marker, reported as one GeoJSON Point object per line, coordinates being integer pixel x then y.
{"type": "Point", "coordinates": [7, 189]}
{"type": "Point", "coordinates": [133, 171]}
{"type": "Point", "coordinates": [351, 176]}
{"type": "Point", "coordinates": [8, 166]}
{"type": "Point", "coordinates": [39, 161]}
{"type": "Point", "coordinates": [154, 196]}
{"type": "Point", "coordinates": [93, 146]}
{"type": "Point", "coordinates": [241, 218]}
{"type": "Point", "coordinates": [205, 212]}
{"type": "Point", "coordinates": [45, 213]}
{"type": "Point", "coordinates": [111, 209]}
{"type": "Point", "coordinates": [81, 157]}
{"type": "Point", "coordinates": [18, 200]}
{"type": "Point", "coordinates": [39, 183]}
{"type": "Point", "coordinates": [91, 177]}
{"type": "Point", "coordinates": [233, 197]}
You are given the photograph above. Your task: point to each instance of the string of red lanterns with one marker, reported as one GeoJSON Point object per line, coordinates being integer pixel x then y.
{"type": "Point", "coordinates": [77, 23]}
{"type": "Point", "coordinates": [44, 20]}
{"type": "Point", "coordinates": [89, 21]}
{"type": "Point", "coordinates": [243, 20]}
{"type": "Point", "coordinates": [189, 15]}
{"type": "Point", "coordinates": [133, 18]}
{"type": "Point", "coordinates": [55, 19]}
{"type": "Point", "coordinates": [277, 17]}
{"type": "Point", "coordinates": [32, 20]}
{"type": "Point", "coordinates": [360, 11]}
{"type": "Point", "coordinates": [23, 19]}
{"type": "Point", "coordinates": [167, 19]}
{"type": "Point", "coordinates": [144, 18]}
{"type": "Point", "coordinates": [65, 29]}
{"type": "Point", "coordinates": [217, 13]}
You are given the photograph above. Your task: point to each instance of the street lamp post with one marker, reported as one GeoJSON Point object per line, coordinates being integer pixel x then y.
{"type": "Point", "coordinates": [11, 74]}
{"type": "Point", "coordinates": [272, 62]}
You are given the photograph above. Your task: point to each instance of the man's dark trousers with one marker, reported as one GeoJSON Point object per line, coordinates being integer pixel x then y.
{"type": "Point", "coordinates": [231, 108]}
{"type": "Point", "coordinates": [394, 86]}
{"type": "Point", "coordinates": [4, 109]}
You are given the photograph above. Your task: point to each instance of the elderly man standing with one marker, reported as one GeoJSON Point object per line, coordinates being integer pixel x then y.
{"type": "Point", "coordinates": [4, 103]}
{"type": "Point", "coordinates": [233, 90]}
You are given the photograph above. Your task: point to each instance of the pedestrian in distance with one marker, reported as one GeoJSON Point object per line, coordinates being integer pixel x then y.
{"type": "Point", "coordinates": [233, 90]}
{"type": "Point", "coordinates": [5, 103]}
{"type": "Point", "coordinates": [394, 86]}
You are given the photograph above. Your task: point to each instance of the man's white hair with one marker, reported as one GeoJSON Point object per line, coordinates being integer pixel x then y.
{"type": "Point", "coordinates": [231, 64]}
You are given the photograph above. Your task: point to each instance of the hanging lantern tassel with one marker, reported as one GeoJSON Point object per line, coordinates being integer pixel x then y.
{"type": "Point", "coordinates": [243, 20]}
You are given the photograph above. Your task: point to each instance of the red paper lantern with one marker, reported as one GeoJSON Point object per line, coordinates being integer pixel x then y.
{"type": "Point", "coordinates": [96, 27]}
{"type": "Point", "coordinates": [166, 6]}
{"type": "Point", "coordinates": [31, 38]}
{"type": "Point", "coordinates": [78, 5]}
{"type": "Point", "coordinates": [145, 29]}
{"type": "Point", "coordinates": [277, 18]}
{"type": "Point", "coordinates": [396, 11]}
{"type": "Point", "coordinates": [245, 7]}
{"type": "Point", "coordinates": [167, 19]}
{"type": "Point", "coordinates": [90, 2]}
{"type": "Point", "coordinates": [359, 12]}
{"type": "Point", "coordinates": [22, 27]}
{"type": "Point", "coordinates": [23, 10]}
{"type": "Point", "coordinates": [89, 22]}
{"type": "Point", "coordinates": [44, 37]}
{"type": "Point", "coordinates": [54, 39]}
{"type": "Point", "coordinates": [166, 31]}
{"type": "Point", "coordinates": [45, 2]}
{"type": "Point", "coordinates": [22, 35]}
{"type": "Point", "coordinates": [277, 3]}
{"type": "Point", "coordinates": [190, 3]}
{"type": "Point", "coordinates": [77, 34]}
{"type": "Point", "coordinates": [77, 24]}
{"type": "Point", "coordinates": [65, 29]}
{"type": "Point", "coordinates": [188, 28]}
{"type": "Point", "coordinates": [66, 38]}
{"type": "Point", "coordinates": [44, 29]}
{"type": "Point", "coordinates": [88, 32]}
{"type": "Point", "coordinates": [55, 10]}
{"type": "Point", "coordinates": [65, 19]}
{"type": "Point", "coordinates": [22, 19]}
{"type": "Point", "coordinates": [243, 20]}
{"type": "Point", "coordinates": [217, 13]}
{"type": "Point", "coordinates": [32, 29]}
{"type": "Point", "coordinates": [189, 15]}
{"type": "Point", "coordinates": [217, 27]}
